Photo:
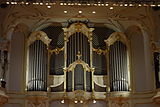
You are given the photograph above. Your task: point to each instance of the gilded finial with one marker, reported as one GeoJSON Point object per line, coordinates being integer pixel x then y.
{"type": "Point", "coordinates": [79, 55]}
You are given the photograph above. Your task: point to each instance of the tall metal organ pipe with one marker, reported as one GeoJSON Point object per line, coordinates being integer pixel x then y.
{"type": "Point", "coordinates": [118, 67]}
{"type": "Point", "coordinates": [77, 43]}
{"type": "Point", "coordinates": [37, 74]}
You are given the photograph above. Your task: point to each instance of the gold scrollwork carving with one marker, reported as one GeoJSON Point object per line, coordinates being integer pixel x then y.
{"type": "Point", "coordinates": [79, 61]}
{"type": "Point", "coordinates": [78, 27]}
{"type": "Point", "coordinates": [56, 50]}
{"type": "Point", "coordinates": [38, 35]}
{"type": "Point", "coordinates": [117, 36]}
{"type": "Point", "coordinates": [100, 51]}
{"type": "Point", "coordinates": [119, 101]}
{"type": "Point", "coordinates": [79, 95]}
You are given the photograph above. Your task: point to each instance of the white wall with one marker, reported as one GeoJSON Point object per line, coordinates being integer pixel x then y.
{"type": "Point", "coordinates": [16, 63]}
{"type": "Point", "coordinates": [141, 66]}
{"type": "Point", "coordinates": [138, 62]}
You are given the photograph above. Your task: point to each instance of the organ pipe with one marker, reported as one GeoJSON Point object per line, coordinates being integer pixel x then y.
{"type": "Point", "coordinates": [118, 67]}
{"type": "Point", "coordinates": [38, 61]}
{"type": "Point", "coordinates": [77, 43]}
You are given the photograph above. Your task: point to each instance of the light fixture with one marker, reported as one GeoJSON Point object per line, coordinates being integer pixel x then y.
{"type": "Point", "coordinates": [125, 4]}
{"type": "Point", "coordinates": [76, 102]}
{"type": "Point", "coordinates": [7, 2]}
{"type": "Point", "coordinates": [130, 4]}
{"type": "Point", "coordinates": [79, 11]}
{"type": "Point", "coordinates": [65, 11]}
{"type": "Point", "coordinates": [81, 101]}
{"type": "Point", "coordinates": [107, 4]}
{"type": "Point", "coordinates": [139, 5]}
{"type": "Point", "coordinates": [62, 101]}
{"type": "Point", "coordinates": [152, 5]}
{"type": "Point", "coordinates": [12, 2]}
{"type": "Point", "coordinates": [48, 7]}
{"type": "Point", "coordinates": [93, 12]}
{"type": "Point", "coordinates": [41, 3]}
{"type": "Point", "coordinates": [121, 5]}
{"type": "Point", "coordinates": [111, 8]}
{"type": "Point", "coordinates": [114, 4]}
{"type": "Point", "coordinates": [99, 3]}
{"type": "Point", "coordinates": [61, 4]}
{"type": "Point", "coordinates": [94, 101]}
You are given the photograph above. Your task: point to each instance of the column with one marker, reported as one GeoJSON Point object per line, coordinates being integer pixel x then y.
{"type": "Point", "coordinates": [65, 56]}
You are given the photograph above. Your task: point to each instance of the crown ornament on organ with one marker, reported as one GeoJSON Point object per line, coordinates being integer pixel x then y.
{"type": "Point", "coordinates": [79, 55]}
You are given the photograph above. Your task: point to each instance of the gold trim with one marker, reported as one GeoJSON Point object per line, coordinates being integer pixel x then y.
{"type": "Point", "coordinates": [38, 35]}
{"type": "Point", "coordinates": [48, 71]}
{"type": "Point", "coordinates": [65, 58]}
{"type": "Point", "coordinates": [117, 36]}
{"type": "Point", "coordinates": [77, 27]}
{"type": "Point", "coordinates": [99, 51]}
{"type": "Point", "coordinates": [79, 61]}
{"type": "Point", "coordinates": [107, 58]}
{"type": "Point", "coordinates": [56, 50]}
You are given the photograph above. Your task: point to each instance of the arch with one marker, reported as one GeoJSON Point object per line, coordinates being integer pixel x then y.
{"type": "Point", "coordinates": [19, 27]}
{"type": "Point", "coordinates": [38, 35]}
{"type": "Point", "coordinates": [117, 36]}
{"type": "Point", "coordinates": [115, 25]}
{"type": "Point", "coordinates": [78, 27]}
{"type": "Point", "coordinates": [141, 57]}
{"type": "Point", "coordinates": [79, 62]}
{"type": "Point", "coordinates": [40, 26]}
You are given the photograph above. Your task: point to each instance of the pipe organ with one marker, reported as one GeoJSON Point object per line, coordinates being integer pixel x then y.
{"type": "Point", "coordinates": [70, 66]}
